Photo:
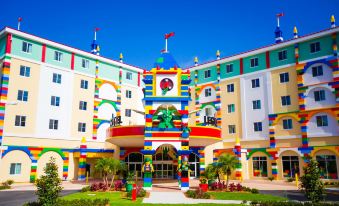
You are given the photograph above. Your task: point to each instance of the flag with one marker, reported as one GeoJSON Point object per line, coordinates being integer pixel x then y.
{"type": "Point", "coordinates": [19, 19]}
{"type": "Point", "coordinates": [280, 14]}
{"type": "Point", "coordinates": [163, 50]}
{"type": "Point", "coordinates": [169, 35]}
{"type": "Point", "coordinates": [97, 29]}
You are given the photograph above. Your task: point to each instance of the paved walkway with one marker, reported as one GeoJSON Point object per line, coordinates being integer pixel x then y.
{"type": "Point", "coordinates": [180, 198]}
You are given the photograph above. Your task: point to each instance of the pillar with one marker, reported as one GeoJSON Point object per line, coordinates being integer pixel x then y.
{"type": "Point", "coordinates": [147, 176]}
{"type": "Point", "coordinates": [82, 160]}
{"type": "Point", "coordinates": [183, 167]}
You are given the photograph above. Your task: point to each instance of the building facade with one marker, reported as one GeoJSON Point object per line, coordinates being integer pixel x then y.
{"type": "Point", "coordinates": [272, 107]}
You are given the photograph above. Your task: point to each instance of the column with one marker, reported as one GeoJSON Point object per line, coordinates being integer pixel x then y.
{"type": "Point", "coordinates": [82, 160]}
{"type": "Point", "coordinates": [147, 169]}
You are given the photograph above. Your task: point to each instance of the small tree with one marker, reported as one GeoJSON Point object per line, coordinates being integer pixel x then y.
{"type": "Point", "coordinates": [49, 185]}
{"type": "Point", "coordinates": [227, 164]}
{"type": "Point", "coordinates": [109, 166]}
{"type": "Point", "coordinates": [116, 166]}
{"type": "Point", "coordinates": [311, 184]}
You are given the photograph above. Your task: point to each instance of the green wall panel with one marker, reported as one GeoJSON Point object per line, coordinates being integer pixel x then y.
{"type": "Point", "coordinates": [17, 48]}
{"type": "Point", "coordinates": [108, 71]}
{"type": "Point", "coordinates": [261, 63]}
{"type": "Point", "coordinates": [236, 69]}
{"type": "Point", "coordinates": [274, 59]}
{"type": "Point", "coordinates": [201, 75]}
{"type": "Point", "coordinates": [2, 46]}
{"type": "Point", "coordinates": [78, 65]}
{"type": "Point", "coordinates": [66, 57]}
{"type": "Point", "coordinates": [325, 48]}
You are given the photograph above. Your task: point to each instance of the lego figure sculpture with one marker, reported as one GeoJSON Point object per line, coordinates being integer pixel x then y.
{"type": "Point", "coordinates": [147, 168]}
{"type": "Point", "coordinates": [184, 168]}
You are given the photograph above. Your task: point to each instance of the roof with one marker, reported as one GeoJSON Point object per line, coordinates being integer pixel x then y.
{"type": "Point", "coordinates": [166, 61]}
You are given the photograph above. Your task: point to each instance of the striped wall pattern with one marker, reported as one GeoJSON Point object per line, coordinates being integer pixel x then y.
{"type": "Point", "coordinates": [82, 162]}
{"type": "Point", "coordinates": [6, 67]}
{"type": "Point", "coordinates": [271, 120]}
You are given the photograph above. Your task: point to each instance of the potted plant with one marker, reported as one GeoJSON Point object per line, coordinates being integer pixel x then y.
{"type": "Point", "coordinates": [130, 181]}
{"type": "Point", "coordinates": [203, 184]}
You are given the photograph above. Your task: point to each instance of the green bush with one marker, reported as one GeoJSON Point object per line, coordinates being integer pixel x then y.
{"type": "Point", "coordinates": [5, 187]}
{"type": "Point", "coordinates": [290, 179]}
{"type": "Point", "coordinates": [10, 182]}
{"type": "Point", "coordinates": [311, 183]}
{"type": "Point", "coordinates": [49, 185]}
{"type": "Point", "coordinates": [198, 194]}
{"type": "Point", "coordinates": [75, 202]}
{"type": "Point", "coordinates": [254, 191]}
{"type": "Point", "coordinates": [86, 189]}
{"type": "Point", "coordinates": [270, 178]}
{"type": "Point", "coordinates": [287, 203]}
{"type": "Point", "coordinates": [140, 192]}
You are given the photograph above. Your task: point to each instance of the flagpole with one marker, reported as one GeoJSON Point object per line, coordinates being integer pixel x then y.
{"type": "Point", "coordinates": [95, 34]}
{"type": "Point", "coordinates": [19, 25]}
{"type": "Point", "coordinates": [278, 23]}
{"type": "Point", "coordinates": [166, 45]}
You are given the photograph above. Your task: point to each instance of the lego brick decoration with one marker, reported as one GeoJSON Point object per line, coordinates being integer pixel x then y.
{"type": "Point", "coordinates": [6, 67]}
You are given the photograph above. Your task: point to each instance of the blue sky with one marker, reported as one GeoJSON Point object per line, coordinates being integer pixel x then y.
{"type": "Point", "coordinates": [137, 28]}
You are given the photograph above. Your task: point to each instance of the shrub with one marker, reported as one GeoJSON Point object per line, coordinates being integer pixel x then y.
{"type": "Point", "coordinates": [5, 187]}
{"type": "Point", "coordinates": [118, 185]}
{"type": "Point", "coordinates": [94, 187]}
{"type": "Point", "coordinates": [10, 182]}
{"type": "Point", "coordinates": [239, 187]}
{"type": "Point", "coordinates": [288, 203]}
{"type": "Point", "coordinates": [311, 184]}
{"type": "Point", "coordinates": [198, 194]}
{"type": "Point", "coordinates": [75, 202]}
{"type": "Point", "coordinates": [270, 178]}
{"type": "Point", "coordinates": [86, 189]}
{"type": "Point", "coordinates": [140, 192]}
{"type": "Point", "coordinates": [218, 186]}
{"type": "Point", "coordinates": [254, 191]}
{"type": "Point", "coordinates": [49, 185]}
{"type": "Point", "coordinates": [290, 179]}
{"type": "Point", "coordinates": [232, 187]}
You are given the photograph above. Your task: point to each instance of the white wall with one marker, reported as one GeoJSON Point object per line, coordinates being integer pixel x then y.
{"type": "Point", "coordinates": [249, 116]}
{"type": "Point", "coordinates": [314, 131]}
{"type": "Point", "coordinates": [107, 91]}
{"type": "Point", "coordinates": [310, 80]}
{"type": "Point", "coordinates": [46, 111]}
{"type": "Point", "coordinates": [204, 99]}
{"type": "Point", "coordinates": [311, 103]}
{"type": "Point", "coordinates": [172, 92]}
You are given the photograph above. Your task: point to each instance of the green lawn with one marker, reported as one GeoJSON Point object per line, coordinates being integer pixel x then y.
{"type": "Point", "coordinates": [116, 198]}
{"type": "Point", "coordinates": [245, 196]}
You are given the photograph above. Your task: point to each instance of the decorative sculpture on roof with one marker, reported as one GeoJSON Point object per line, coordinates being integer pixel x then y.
{"type": "Point", "coordinates": [166, 85]}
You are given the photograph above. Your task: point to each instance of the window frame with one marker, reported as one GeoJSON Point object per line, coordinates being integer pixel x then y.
{"type": "Point", "coordinates": [285, 100]}
{"type": "Point", "coordinates": [21, 120]}
{"type": "Point", "coordinates": [208, 92]}
{"type": "Point", "coordinates": [84, 84]}
{"type": "Point", "coordinates": [208, 73]}
{"type": "Point", "coordinates": [317, 71]}
{"type": "Point", "coordinates": [282, 54]}
{"type": "Point", "coordinates": [82, 105]}
{"type": "Point", "coordinates": [58, 56]}
{"type": "Point", "coordinates": [255, 62]}
{"type": "Point", "coordinates": [56, 78]}
{"type": "Point", "coordinates": [29, 46]}
{"type": "Point", "coordinates": [322, 121]}
{"type": "Point", "coordinates": [55, 101]}
{"type": "Point", "coordinates": [22, 95]}
{"type": "Point", "coordinates": [129, 75]}
{"type": "Point", "coordinates": [319, 95]}
{"type": "Point", "coordinates": [288, 123]}
{"type": "Point", "coordinates": [230, 87]}
{"type": "Point", "coordinates": [317, 47]}
{"type": "Point", "coordinates": [53, 124]}
{"type": "Point", "coordinates": [255, 83]}
{"type": "Point", "coordinates": [128, 113]}
{"type": "Point", "coordinates": [256, 104]}
{"type": "Point", "coordinates": [231, 129]}
{"type": "Point", "coordinates": [257, 126]}
{"type": "Point", "coordinates": [15, 168]}
{"type": "Point", "coordinates": [23, 71]}
{"type": "Point", "coordinates": [284, 77]}
{"type": "Point", "coordinates": [229, 68]}
{"type": "Point", "coordinates": [128, 94]}
{"type": "Point", "coordinates": [81, 127]}
{"type": "Point", "coordinates": [230, 108]}
{"type": "Point", "coordinates": [84, 63]}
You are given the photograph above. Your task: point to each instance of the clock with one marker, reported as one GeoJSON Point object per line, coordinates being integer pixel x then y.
{"type": "Point", "coordinates": [166, 85]}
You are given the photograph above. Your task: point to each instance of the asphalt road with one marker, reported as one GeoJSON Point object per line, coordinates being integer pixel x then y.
{"type": "Point", "coordinates": [298, 195]}
{"type": "Point", "coordinates": [18, 198]}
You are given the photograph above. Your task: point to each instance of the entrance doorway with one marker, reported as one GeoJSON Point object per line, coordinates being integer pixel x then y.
{"type": "Point", "coordinates": [163, 165]}
{"type": "Point", "coordinates": [194, 162]}
{"type": "Point", "coordinates": [134, 163]}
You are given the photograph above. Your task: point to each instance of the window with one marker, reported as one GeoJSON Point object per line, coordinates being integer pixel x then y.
{"type": "Point", "coordinates": [230, 108]}
{"type": "Point", "coordinates": [83, 105]}
{"type": "Point", "coordinates": [208, 112]}
{"type": "Point", "coordinates": [58, 56]}
{"type": "Point", "coordinates": [290, 166]}
{"type": "Point", "coordinates": [81, 127]}
{"type": "Point", "coordinates": [208, 92]}
{"type": "Point", "coordinates": [53, 124]}
{"type": "Point", "coordinates": [257, 126]}
{"type": "Point", "coordinates": [84, 84]}
{"type": "Point", "coordinates": [230, 88]}
{"type": "Point", "coordinates": [128, 112]}
{"type": "Point", "coordinates": [260, 166]}
{"type": "Point", "coordinates": [284, 77]}
{"type": "Point", "coordinates": [287, 124]}
{"type": "Point", "coordinates": [315, 47]}
{"type": "Point", "coordinates": [229, 68]}
{"type": "Point", "coordinates": [255, 83]}
{"type": "Point", "coordinates": [20, 121]}
{"type": "Point", "coordinates": [57, 78]}
{"type": "Point", "coordinates": [26, 47]}
{"type": "Point", "coordinates": [282, 55]}
{"type": "Point", "coordinates": [25, 71]}
{"type": "Point", "coordinates": [85, 63]}
{"type": "Point", "coordinates": [207, 73]}
{"type": "Point", "coordinates": [129, 75]}
{"type": "Point", "coordinates": [55, 101]}
{"type": "Point", "coordinates": [322, 121]}
{"type": "Point", "coordinates": [319, 95]}
{"type": "Point", "coordinates": [128, 94]}
{"type": "Point", "coordinates": [286, 100]}
{"type": "Point", "coordinates": [254, 62]}
{"type": "Point", "coordinates": [328, 166]}
{"type": "Point", "coordinates": [317, 71]}
{"type": "Point", "coordinates": [22, 95]}
{"type": "Point", "coordinates": [231, 129]}
{"type": "Point", "coordinates": [15, 169]}
{"type": "Point", "coordinates": [256, 104]}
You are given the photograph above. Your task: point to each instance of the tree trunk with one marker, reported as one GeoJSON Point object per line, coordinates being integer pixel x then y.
{"type": "Point", "coordinates": [228, 177]}
{"type": "Point", "coordinates": [112, 181]}
{"type": "Point", "coordinates": [218, 177]}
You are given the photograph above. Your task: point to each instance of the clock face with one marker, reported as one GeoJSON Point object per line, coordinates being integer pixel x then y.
{"type": "Point", "coordinates": [166, 85]}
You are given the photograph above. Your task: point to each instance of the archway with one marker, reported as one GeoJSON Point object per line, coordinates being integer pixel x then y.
{"type": "Point", "coordinates": [165, 162]}
{"type": "Point", "coordinates": [45, 158]}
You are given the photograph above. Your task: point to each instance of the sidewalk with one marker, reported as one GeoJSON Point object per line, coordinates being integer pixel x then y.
{"type": "Point", "coordinates": [180, 198]}
{"type": "Point", "coordinates": [31, 187]}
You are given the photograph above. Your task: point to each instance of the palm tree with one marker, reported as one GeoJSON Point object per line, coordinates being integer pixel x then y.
{"type": "Point", "coordinates": [109, 166]}
{"type": "Point", "coordinates": [226, 164]}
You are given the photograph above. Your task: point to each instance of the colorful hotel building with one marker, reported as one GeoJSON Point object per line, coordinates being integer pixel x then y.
{"type": "Point", "coordinates": [272, 107]}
